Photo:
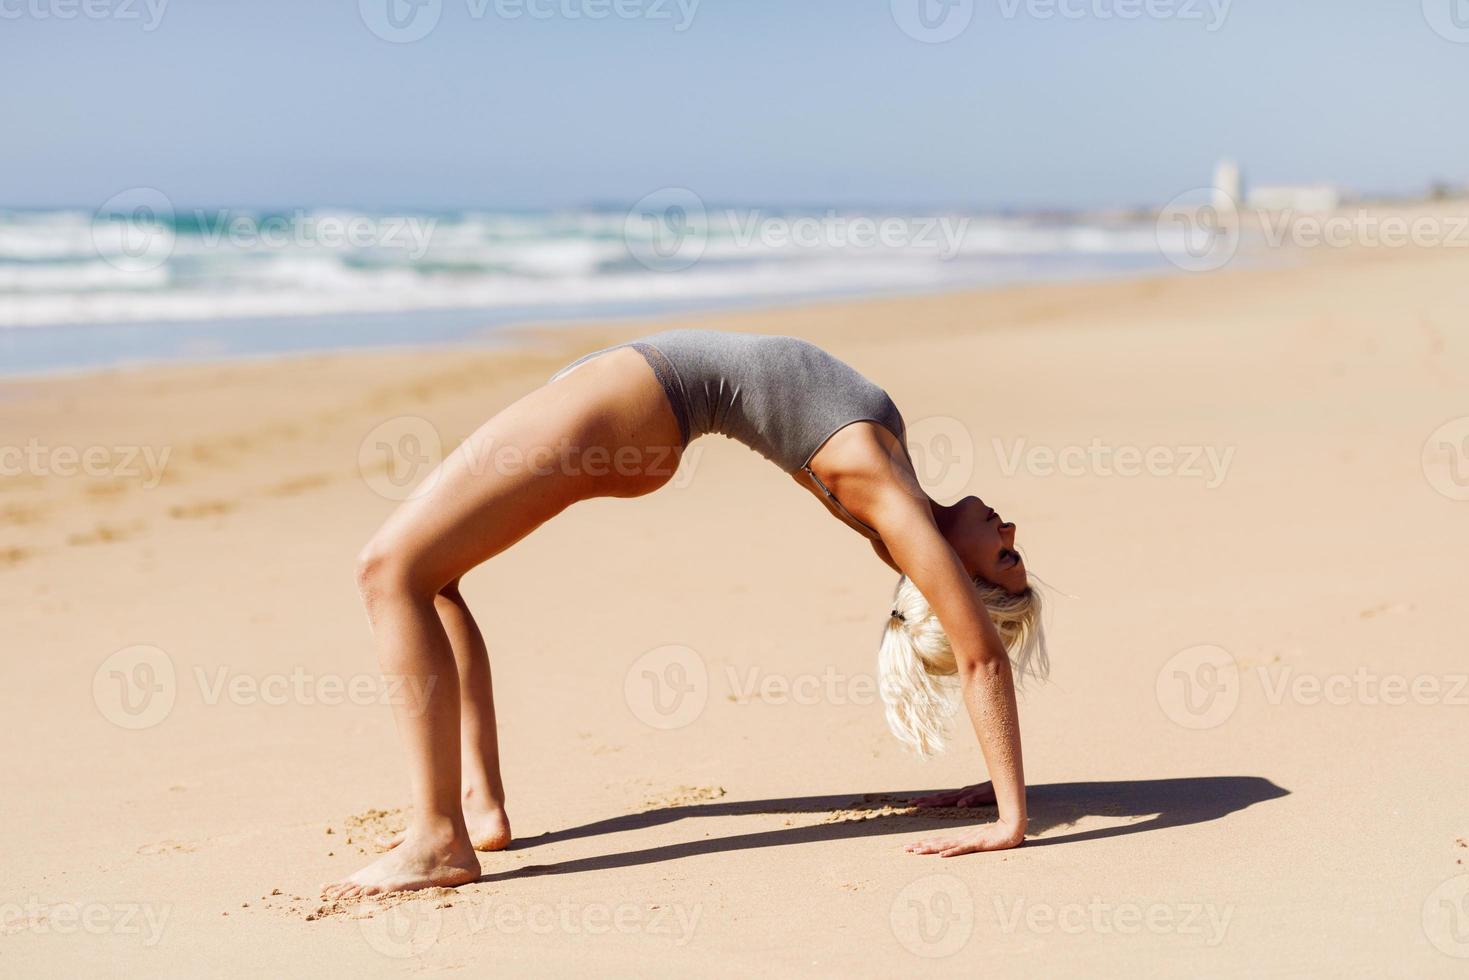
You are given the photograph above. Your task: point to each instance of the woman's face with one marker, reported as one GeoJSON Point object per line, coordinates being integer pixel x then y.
{"type": "Point", "coordinates": [985, 543]}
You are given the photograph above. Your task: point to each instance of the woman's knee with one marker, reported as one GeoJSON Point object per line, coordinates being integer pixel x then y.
{"type": "Point", "coordinates": [448, 598]}
{"type": "Point", "coordinates": [387, 569]}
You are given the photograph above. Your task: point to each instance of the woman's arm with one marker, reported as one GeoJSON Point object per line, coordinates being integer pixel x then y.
{"type": "Point", "coordinates": [918, 548]}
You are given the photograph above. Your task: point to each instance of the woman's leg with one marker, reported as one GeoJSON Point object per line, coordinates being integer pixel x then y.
{"type": "Point", "coordinates": [503, 482]}
{"type": "Point", "coordinates": [483, 796]}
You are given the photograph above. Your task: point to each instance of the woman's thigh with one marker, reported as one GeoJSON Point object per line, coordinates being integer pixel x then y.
{"type": "Point", "coordinates": [604, 429]}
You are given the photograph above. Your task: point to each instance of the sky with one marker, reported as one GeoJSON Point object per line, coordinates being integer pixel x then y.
{"type": "Point", "coordinates": [558, 103]}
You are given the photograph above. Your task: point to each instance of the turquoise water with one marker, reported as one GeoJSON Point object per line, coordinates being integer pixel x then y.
{"type": "Point", "coordinates": [144, 280]}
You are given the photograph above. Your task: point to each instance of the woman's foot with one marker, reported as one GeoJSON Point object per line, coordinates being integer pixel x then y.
{"type": "Point", "coordinates": [489, 826]}
{"type": "Point", "coordinates": [424, 860]}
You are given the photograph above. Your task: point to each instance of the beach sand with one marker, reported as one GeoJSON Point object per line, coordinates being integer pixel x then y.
{"type": "Point", "coordinates": [1250, 758]}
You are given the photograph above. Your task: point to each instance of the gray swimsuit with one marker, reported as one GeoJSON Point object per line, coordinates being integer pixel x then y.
{"type": "Point", "coordinates": [781, 396]}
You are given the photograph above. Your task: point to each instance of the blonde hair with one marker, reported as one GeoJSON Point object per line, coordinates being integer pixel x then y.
{"type": "Point", "coordinates": [917, 672]}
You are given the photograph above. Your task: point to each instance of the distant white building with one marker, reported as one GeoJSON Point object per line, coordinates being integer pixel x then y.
{"type": "Point", "coordinates": [1299, 197]}
{"type": "Point", "coordinates": [1228, 186]}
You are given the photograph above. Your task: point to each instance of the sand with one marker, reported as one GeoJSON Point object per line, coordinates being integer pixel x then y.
{"type": "Point", "coordinates": [1250, 759]}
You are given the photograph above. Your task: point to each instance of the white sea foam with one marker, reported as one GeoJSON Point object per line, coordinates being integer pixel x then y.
{"type": "Point", "coordinates": [67, 267]}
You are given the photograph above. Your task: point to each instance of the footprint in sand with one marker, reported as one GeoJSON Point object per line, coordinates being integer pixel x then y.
{"type": "Point", "coordinates": [17, 514]}
{"type": "Point", "coordinates": [300, 485]}
{"type": "Point", "coordinates": [14, 556]}
{"type": "Point", "coordinates": [203, 508]}
{"type": "Point", "coordinates": [103, 534]}
{"type": "Point", "coordinates": [1388, 609]}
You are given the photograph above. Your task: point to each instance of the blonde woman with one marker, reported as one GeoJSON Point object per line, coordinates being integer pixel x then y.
{"type": "Point", "coordinates": [964, 624]}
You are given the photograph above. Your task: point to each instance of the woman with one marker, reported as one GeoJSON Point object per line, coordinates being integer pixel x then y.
{"type": "Point", "coordinates": [614, 424]}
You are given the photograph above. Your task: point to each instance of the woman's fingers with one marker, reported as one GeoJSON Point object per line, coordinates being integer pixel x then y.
{"type": "Point", "coordinates": [981, 794]}
{"type": "Point", "coordinates": [938, 799]}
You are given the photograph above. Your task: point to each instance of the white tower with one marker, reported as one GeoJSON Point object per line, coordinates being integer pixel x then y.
{"type": "Point", "coordinates": [1228, 186]}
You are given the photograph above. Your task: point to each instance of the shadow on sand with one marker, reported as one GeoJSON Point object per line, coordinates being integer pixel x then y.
{"type": "Point", "coordinates": [1163, 803]}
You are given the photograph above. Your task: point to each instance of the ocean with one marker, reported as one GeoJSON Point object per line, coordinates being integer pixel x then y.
{"type": "Point", "coordinates": [145, 280]}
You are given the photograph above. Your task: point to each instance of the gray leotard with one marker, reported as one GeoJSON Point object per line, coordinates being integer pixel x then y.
{"type": "Point", "coordinates": [781, 396]}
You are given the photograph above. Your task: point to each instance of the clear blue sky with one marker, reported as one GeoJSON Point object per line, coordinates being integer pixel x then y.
{"type": "Point", "coordinates": [296, 102]}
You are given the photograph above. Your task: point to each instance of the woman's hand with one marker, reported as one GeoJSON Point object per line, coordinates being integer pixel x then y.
{"type": "Point", "coordinates": [990, 837]}
{"type": "Point", "coordinates": [980, 794]}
